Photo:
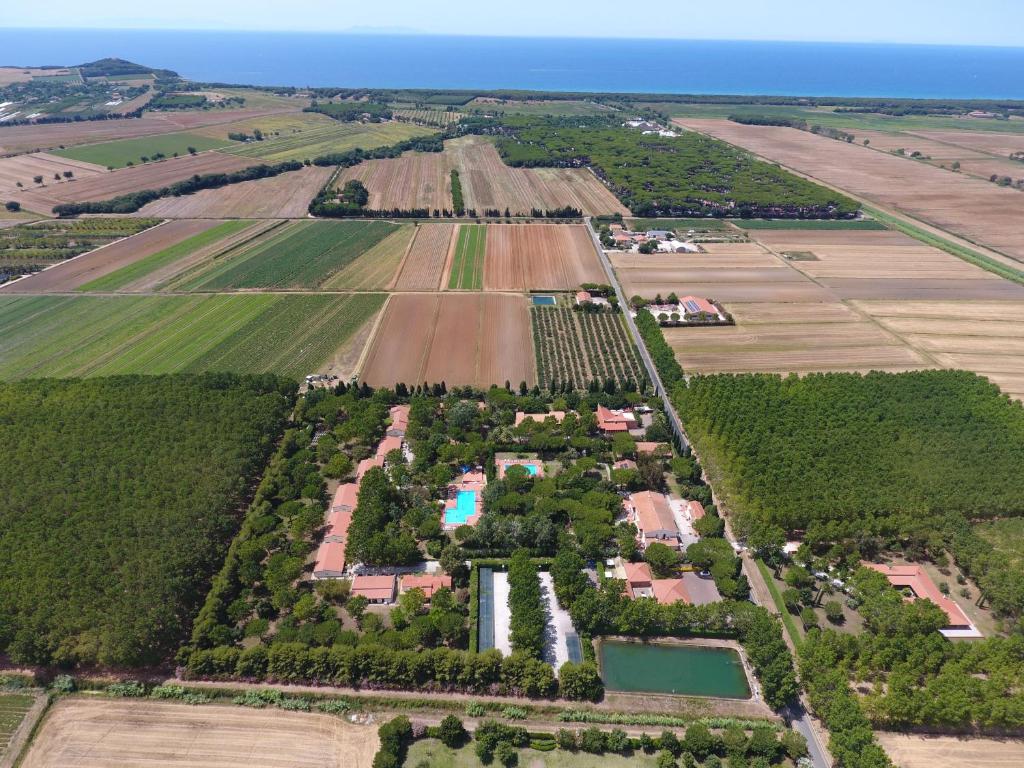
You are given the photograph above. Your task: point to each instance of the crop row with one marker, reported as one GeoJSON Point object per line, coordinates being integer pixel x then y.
{"type": "Point", "coordinates": [580, 347]}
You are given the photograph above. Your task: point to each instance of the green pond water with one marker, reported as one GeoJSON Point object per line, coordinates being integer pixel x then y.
{"type": "Point", "coordinates": [686, 670]}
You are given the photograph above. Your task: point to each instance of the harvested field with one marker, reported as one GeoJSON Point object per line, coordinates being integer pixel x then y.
{"type": "Point", "coordinates": [28, 138]}
{"type": "Point", "coordinates": [976, 210]}
{"type": "Point", "coordinates": [522, 257]}
{"type": "Point", "coordinates": [414, 180]}
{"type": "Point", "coordinates": [23, 168]}
{"type": "Point", "coordinates": [105, 336]}
{"type": "Point", "coordinates": [375, 269]}
{"type": "Point", "coordinates": [986, 337]}
{"type": "Point", "coordinates": [285, 196]}
{"type": "Point", "coordinates": [301, 254]}
{"type": "Point", "coordinates": [471, 338]}
{"type": "Point", "coordinates": [149, 176]}
{"type": "Point", "coordinates": [913, 751]}
{"type": "Point", "coordinates": [74, 273]}
{"type": "Point", "coordinates": [117, 154]}
{"type": "Point", "coordinates": [424, 266]}
{"type": "Point", "coordinates": [488, 183]}
{"type": "Point", "coordinates": [987, 142]}
{"type": "Point", "coordinates": [139, 734]}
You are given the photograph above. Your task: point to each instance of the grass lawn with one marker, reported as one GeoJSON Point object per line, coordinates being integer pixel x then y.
{"type": "Point", "coordinates": [431, 753]}
{"type": "Point", "coordinates": [468, 264]}
{"type": "Point", "coordinates": [117, 154]}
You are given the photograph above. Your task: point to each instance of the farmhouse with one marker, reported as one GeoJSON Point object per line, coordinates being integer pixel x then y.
{"type": "Point", "coordinates": [694, 510]}
{"type": "Point", "coordinates": [609, 420]}
{"type": "Point", "coordinates": [540, 418]}
{"type": "Point", "coordinates": [586, 297]}
{"type": "Point", "coordinates": [652, 515]}
{"type": "Point", "coordinates": [689, 309]}
{"type": "Point", "coordinates": [426, 582]}
{"type": "Point", "coordinates": [376, 589]}
{"type": "Point", "coordinates": [921, 587]}
{"type": "Point", "coordinates": [399, 421]}
{"type": "Point", "coordinates": [641, 583]}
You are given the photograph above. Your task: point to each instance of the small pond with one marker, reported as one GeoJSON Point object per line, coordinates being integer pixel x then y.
{"type": "Point", "coordinates": [684, 670]}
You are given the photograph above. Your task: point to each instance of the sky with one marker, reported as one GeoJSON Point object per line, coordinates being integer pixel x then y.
{"type": "Point", "coordinates": [955, 22]}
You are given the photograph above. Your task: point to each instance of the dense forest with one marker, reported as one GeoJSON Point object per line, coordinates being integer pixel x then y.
{"type": "Point", "coordinates": [653, 175]}
{"type": "Point", "coordinates": [119, 496]}
{"type": "Point", "coordinates": [843, 455]}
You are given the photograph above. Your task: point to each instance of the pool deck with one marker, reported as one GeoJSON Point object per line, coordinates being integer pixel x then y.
{"type": "Point", "coordinates": [503, 465]}
{"type": "Point", "coordinates": [471, 481]}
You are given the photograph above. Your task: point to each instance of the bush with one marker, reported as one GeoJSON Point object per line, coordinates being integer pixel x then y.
{"type": "Point", "coordinates": [592, 740]}
{"type": "Point", "coordinates": [395, 736]}
{"type": "Point", "coordinates": [451, 732]}
{"type": "Point", "coordinates": [834, 611]}
{"type": "Point", "coordinates": [63, 684]}
{"type": "Point", "coordinates": [580, 682]}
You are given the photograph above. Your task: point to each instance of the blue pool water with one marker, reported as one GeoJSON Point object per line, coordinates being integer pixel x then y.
{"type": "Point", "coordinates": [531, 468]}
{"type": "Point", "coordinates": [544, 301]}
{"type": "Point", "coordinates": [465, 507]}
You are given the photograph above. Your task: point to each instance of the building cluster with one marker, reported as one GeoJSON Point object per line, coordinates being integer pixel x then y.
{"type": "Point", "coordinates": [688, 309]}
{"type": "Point", "coordinates": [649, 128]}
{"type": "Point", "coordinates": [915, 582]}
{"type": "Point", "coordinates": [664, 240]}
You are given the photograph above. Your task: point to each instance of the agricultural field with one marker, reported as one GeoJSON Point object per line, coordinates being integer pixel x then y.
{"type": "Point", "coordinates": [470, 338]}
{"type": "Point", "coordinates": [302, 254]}
{"type": "Point", "coordinates": [438, 117]}
{"type": "Point", "coordinates": [272, 126]}
{"type": "Point", "coordinates": [13, 708]}
{"type": "Point", "coordinates": [325, 138]}
{"type": "Point", "coordinates": [95, 263]}
{"type": "Point", "coordinates": [22, 169]}
{"type": "Point", "coordinates": [120, 182]}
{"type": "Point", "coordinates": [558, 108]}
{"type": "Point", "coordinates": [490, 184]}
{"type": "Point", "coordinates": [103, 733]}
{"type": "Point", "coordinates": [140, 269]}
{"type": "Point", "coordinates": [414, 180]}
{"type": "Point", "coordinates": [922, 751]}
{"type": "Point", "coordinates": [522, 257]}
{"type": "Point", "coordinates": [424, 267]}
{"type": "Point", "coordinates": [375, 269]}
{"type": "Point", "coordinates": [976, 210]}
{"type": "Point", "coordinates": [118, 154]}
{"type": "Point", "coordinates": [98, 336]}
{"type": "Point", "coordinates": [467, 270]}
{"type": "Point", "coordinates": [581, 347]}
{"type": "Point", "coordinates": [286, 196]}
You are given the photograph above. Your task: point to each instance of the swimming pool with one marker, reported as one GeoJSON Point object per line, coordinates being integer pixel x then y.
{"type": "Point", "coordinates": [544, 301]}
{"type": "Point", "coordinates": [531, 468]}
{"type": "Point", "coordinates": [465, 507]}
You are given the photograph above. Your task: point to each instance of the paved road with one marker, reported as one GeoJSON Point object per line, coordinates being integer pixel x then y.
{"type": "Point", "coordinates": [797, 714]}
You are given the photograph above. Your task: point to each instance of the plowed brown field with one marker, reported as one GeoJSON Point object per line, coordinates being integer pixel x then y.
{"type": "Point", "coordinates": [414, 180]}
{"type": "Point", "coordinates": [424, 266]}
{"type": "Point", "coordinates": [488, 183]}
{"type": "Point", "coordinates": [121, 182]}
{"type": "Point", "coordinates": [68, 275]}
{"type": "Point", "coordinates": [469, 338]}
{"type": "Point", "coordinates": [966, 206]}
{"type": "Point", "coordinates": [285, 196]}
{"type": "Point", "coordinates": [522, 257]}
{"type": "Point", "coordinates": [24, 167]}
{"type": "Point", "coordinates": [139, 734]}
{"type": "Point", "coordinates": [913, 751]}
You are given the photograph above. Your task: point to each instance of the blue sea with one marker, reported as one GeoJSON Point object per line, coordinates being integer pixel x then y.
{"type": "Point", "coordinates": [557, 64]}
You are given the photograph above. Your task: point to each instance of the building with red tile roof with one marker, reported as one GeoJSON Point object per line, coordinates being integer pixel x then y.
{"type": "Point", "coordinates": [330, 560]}
{"type": "Point", "coordinates": [399, 421]}
{"type": "Point", "coordinates": [694, 305]}
{"type": "Point", "coordinates": [668, 591]}
{"type": "Point", "coordinates": [641, 583]}
{"type": "Point", "coordinates": [609, 420]}
{"type": "Point", "coordinates": [920, 584]}
{"type": "Point", "coordinates": [346, 497]}
{"type": "Point", "coordinates": [387, 445]}
{"type": "Point", "coordinates": [376, 589]}
{"type": "Point", "coordinates": [424, 581]}
{"type": "Point", "coordinates": [655, 449]}
{"type": "Point", "coordinates": [624, 464]}
{"type": "Point", "coordinates": [652, 515]}
{"type": "Point", "coordinates": [366, 465]}
{"type": "Point", "coordinates": [694, 510]}
{"type": "Point", "coordinates": [540, 418]}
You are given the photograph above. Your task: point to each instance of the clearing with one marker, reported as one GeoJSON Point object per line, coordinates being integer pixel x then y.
{"type": "Point", "coordinates": [285, 196]}
{"type": "Point", "coordinates": [522, 257]}
{"type": "Point", "coordinates": [100, 734]}
{"type": "Point", "coordinates": [466, 338]}
{"type": "Point", "coordinates": [424, 266]}
{"type": "Point", "coordinates": [913, 751]}
{"type": "Point", "coordinates": [117, 154]}
{"type": "Point", "coordinates": [467, 270]}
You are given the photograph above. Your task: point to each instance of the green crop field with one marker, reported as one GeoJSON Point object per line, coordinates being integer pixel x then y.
{"type": "Point", "coordinates": [324, 139]}
{"type": "Point", "coordinates": [122, 277]}
{"type": "Point", "coordinates": [299, 255]}
{"type": "Point", "coordinates": [862, 224]}
{"type": "Point", "coordinates": [375, 269]}
{"type": "Point", "coordinates": [93, 336]}
{"type": "Point", "coordinates": [13, 708]}
{"type": "Point", "coordinates": [117, 154]}
{"type": "Point", "coordinates": [468, 264]}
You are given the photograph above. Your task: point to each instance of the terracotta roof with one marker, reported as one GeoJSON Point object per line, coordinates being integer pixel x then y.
{"type": "Point", "coordinates": [374, 587]}
{"type": "Point", "coordinates": [366, 465]}
{"type": "Point", "coordinates": [539, 417]}
{"type": "Point", "coordinates": [583, 296]}
{"type": "Point", "coordinates": [614, 421]}
{"type": "Point", "coordinates": [668, 591]}
{"type": "Point", "coordinates": [695, 510]}
{"type": "Point", "coordinates": [692, 305]}
{"type": "Point", "coordinates": [638, 574]}
{"type": "Point", "coordinates": [337, 525]}
{"type": "Point", "coordinates": [399, 418]}
{"type": "Point", "coordinates": [624, 464]}
{"type": "Point", "coordinates": [651, 512]}
{"type": "Point", "coordinates": [387, 445]}
{"type": "Point", "coordinates": [346, 496]}
{"type": "Point", "coordinates": [429, 584]}
{"type": "Point", "coordinates": [330, 559]}
{"type": "Point", "coordinates": [661, 449]}
{"type": "Point", "coordinates": [920, 583]}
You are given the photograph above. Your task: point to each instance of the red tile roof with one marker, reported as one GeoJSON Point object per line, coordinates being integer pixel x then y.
{"type": "Point", "coordinates": [637, 575]}
{"type": "Point", "coordinates": [652, 513]}
{"type": "Point", "coordinates": [920, 583]}
{"type": "Point", "coordinates": [539, 417]}
{"type": "Point", "coordinates": [429, 584]}
{"type": "Point", "coordinates": [660, 449]}
{"type": "Point", "coordinates": [387, 445]}
{"type": "Point", "coordinates": [374, 587]}
{"type": "Point", "coordinates": [695, 510]}
{"type": "Point", "coordinates": [366, 465]}
{"type": "Point", "coordinates": [346, 496]}
{"type": "Point", "coordinates": [338, 522]}
{"type": "Point", "coordinates": [614, 421]}
{"type": "Point", "coordinates": [693, 304]}
{"type": "Point", "coordinates": [668, 591]}
{"type": "Point", "coordinates": [330, 560]}
{"type": "Point", "coordinates": [399, 419]}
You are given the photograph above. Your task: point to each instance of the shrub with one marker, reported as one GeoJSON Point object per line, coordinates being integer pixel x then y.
{"type": "Point", "coordinates": [127, 689]}
{"type": "Point", "coordinates": [63, 684]}
{"type": "Point", "coordinates": [580, 682]}
{"type": "Point", "coordinates": [592, 740]}
{"type": "Point", "coordinates": [451, 732]}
